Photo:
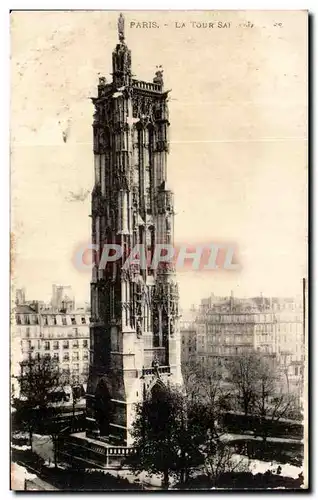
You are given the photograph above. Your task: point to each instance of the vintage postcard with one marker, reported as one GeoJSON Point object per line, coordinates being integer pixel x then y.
{"type": "Point", "coordinates": [159, 166]}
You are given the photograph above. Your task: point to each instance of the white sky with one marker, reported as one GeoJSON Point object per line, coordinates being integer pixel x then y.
{"type": "Point", "coordinates": [238, 162]}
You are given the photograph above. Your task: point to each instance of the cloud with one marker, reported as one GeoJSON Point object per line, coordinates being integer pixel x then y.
{"type": "Point", "coordinates": [81, 195]}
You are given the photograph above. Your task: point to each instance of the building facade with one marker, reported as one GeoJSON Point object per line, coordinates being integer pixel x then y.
{"type": "Point", "coordinates": [62, 336]}
{"type": "Point", "coordinates": [134, 311]}
{"type": "Point", "coordinates": [188, 345]}
{"type": "Point", "coordinates": [228, 326]}
{"type": "Point", "coordinates": [188, 336]}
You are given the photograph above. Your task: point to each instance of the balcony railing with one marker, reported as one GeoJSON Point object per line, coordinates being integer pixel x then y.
{"type": "Point", "coordinates": [151, 371]}
{"type": "Point", "coordinates": [146, 85]}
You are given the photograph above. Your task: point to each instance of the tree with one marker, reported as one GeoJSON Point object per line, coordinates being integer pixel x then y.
{"type": "Point", "coordinates": [152, 431]}
{"type": "Point", "coordinates": [196, 419]}
{"type": "Point", "coordinates": [203, 382]}
{"type": "Point", "coordinates": [76, 396]}
{"type": "Point", "coordinates": [167, 432]}
{"type": "Point", "coordinates": [72, 380]}
{"type": "Point", "coordinates": [171, 431]}
{"type": "Point", "coordinates": [205, 388]}
{"type": "Point", "coordinates": [39, 378]}
{"type": "Point", "coordinates": [271, 404]}
{"type": "Point", "coordinates": [260, 389]}
{"type": "Point", "coordinates": [244, 374]}
{"type": "Point", "coordinates": [220, 459]}
{"type": "Point", "coordinates": [193, 379]}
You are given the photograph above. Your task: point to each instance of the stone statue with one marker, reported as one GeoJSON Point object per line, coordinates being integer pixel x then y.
{"type": "Point", "coordinates": [155, 361]}
{"type": "Point", "coordinates": [121, 27]}
{"type": "Point", "coordinates": [155, 364]}
{"type": "Point", "coordinates": [159, 76]}
{"type": "Point", "coordinates": [139, 327]}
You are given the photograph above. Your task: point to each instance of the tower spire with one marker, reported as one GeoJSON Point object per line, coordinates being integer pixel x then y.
{"type": "Point", "coordinates": [121, 28]}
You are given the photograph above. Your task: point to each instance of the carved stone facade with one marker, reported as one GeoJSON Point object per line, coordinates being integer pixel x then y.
{"type": "Point", "coordinates": [134, 320]}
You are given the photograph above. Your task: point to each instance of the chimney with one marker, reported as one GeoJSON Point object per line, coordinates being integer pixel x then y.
{"type": "Point", "coordinates": [232, 300]}
{"type": "Point", "coordinates": [35, 305]}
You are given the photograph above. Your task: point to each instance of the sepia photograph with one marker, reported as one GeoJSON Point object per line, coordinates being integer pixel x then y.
{"type": "Point", "coordinates": [159, 250]}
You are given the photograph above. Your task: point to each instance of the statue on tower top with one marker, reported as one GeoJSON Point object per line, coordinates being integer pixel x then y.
{"type": "Point", "coordinates": [121, 27]}
{"type": "Point", "coordinates": [159, 75]}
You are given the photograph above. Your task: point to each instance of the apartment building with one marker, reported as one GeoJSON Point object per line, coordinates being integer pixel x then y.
{"type": "Point", "coordinates": [229, 326]}
{"type": "Point", "coordinates": [188, 336]}
{"type": "Point", "coordinates": [62, 335]}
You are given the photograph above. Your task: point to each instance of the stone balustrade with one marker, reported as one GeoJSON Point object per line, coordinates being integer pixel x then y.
{"type": "Point", "coordinates": [154, 87]}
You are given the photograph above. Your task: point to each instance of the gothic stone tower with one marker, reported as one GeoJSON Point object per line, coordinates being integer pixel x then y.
{"type": "Point", "coordinates": [134, 312]}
